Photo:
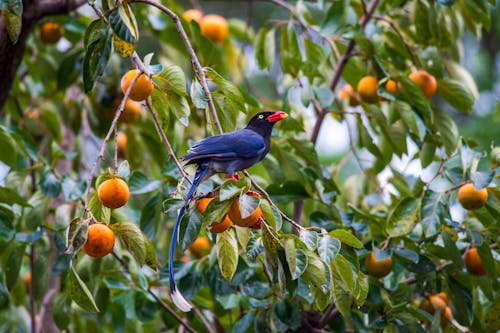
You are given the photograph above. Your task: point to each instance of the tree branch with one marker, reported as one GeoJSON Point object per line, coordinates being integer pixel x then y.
{"type": "Point", "coordinates": [200, 74]}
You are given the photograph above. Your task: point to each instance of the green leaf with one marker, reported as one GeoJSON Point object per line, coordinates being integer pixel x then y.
{"type": "Point", "coordinates": [309, 238]}
{"type": "Point", "coordinates": [98, 45]}
{"type": "Point", "coordinates": [13, 24]}
{"type": "Point", "coordinates": [448, 130]}
{"type": "Point", "coordinates": [216, 211]}
{"type": "Point", "coordinates": [341, 293]}
{"type": "Point", "coordinates": [412, 94]}
{"type": "Point", "coordinates": [244, 323]}
{"type": "Point", "coordinates": [13, 265]}
{"type": "Point", "coordinates": [171, 78]}
{"type": "Point", "coordinates": [328, 247]}
{"type": "Point", "coordinates": [138, 183]}
{"type": "Point", "coordinates": [132, 239]}
{"type": "Point", "coordinates": [253, 248]}
{"type": "Point", "coordinates": [334, 18]}
{"type": "Point", "coordinates": [452, 251]}
{"type": "Point", "coordinates": [227, 253]}
{"type": "Point", "coordinates": [40, 206]}
{"type": "Point", "coordinates": [9, 148]}
{"type": "Point", "coordinates": [431, 213]}
{"type": "Point", "coordinates": [150, 258]}
{"type": "Point", "coordinates": [456, 94]}
{"type": "Point", "coordinates": [10, 197]}
{"type": "Point", "coordinates": [290, 54]}
{"type": "Point", "coordinates": [491, 319]}
{"type": "Point", "coordinates": [228, 99]}
{"type": "Point", "coordinates": [265, 45]}
{"type": "Point", "coordinates": [346, 237]}
{"type": "Point", "coordinates": [402, 219]}
{"type": "Point", "coordinates": [315, 270]}
{"type": "Point", "coordinates": [361, 289]}
{"type": "Point", "coordinates": [50, 185]}
{"type": "Point", "coordinates": [296, 258]}
{"type": "Point", "coordinates": [198, 95]}
{"type": "Point", "coordinates": [230, 189]}
{"type": "Point", "coordinates": [12, 6]}
{"type": "Point", "coordinates": [123, 24]}
{"type": "Point", "coordinates": [161, 106]}
{"type": "Point", "coordinates": [288, 313]}
{"type": "Point", "coordinates": [248, 205]}
{"type": "Point", "coordinates": [79, 292]}
{"type": "Point", "coordinates": [70, 68]}
{"type": "Point", "coordinates": [101, 213]}
{"type": "Point", "coordinates": [76, 235]}
{"type": "Point", "coordinates": [421, 15]}
{"type": "Point", "coordinates": [190, 229]}
{"type": "Point", "coordinates": [51, 121]}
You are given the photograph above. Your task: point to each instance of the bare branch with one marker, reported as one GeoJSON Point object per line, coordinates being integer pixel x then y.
{"type": "Point", "coordinates": [194, 59]}
{"type": "Point", "coordinates": [106, 139]}
{"type": "Point", "coordinates": [165, 140]}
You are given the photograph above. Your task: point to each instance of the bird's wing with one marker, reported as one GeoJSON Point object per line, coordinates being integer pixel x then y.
{"type": "Point", "coordinates": [243, 143]}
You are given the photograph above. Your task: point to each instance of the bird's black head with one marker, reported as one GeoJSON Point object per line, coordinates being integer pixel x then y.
{"type": "Point", "coordinates": [263, 122]}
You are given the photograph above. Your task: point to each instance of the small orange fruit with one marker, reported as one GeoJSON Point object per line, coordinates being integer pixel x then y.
{"type": "Point", "coordinates": [142, 88]}
{"type": "Point", "coordinates": [426, 306]}
{"type": "Point", "coordinates": [51, 32]}
{"type": "Point", "coordinates": [392, 87]}
{"type": "Point", "coordinates": [113, 193]}
{"type": "Point", "coordinates": [100, 240]}
{"type": "Point", "coordinates": [200, 246]}
{"type": "Point", "coordinates": [217, 228]}
{"type": "Point", "coordinates": [444, 297]}
{"type": "Point", "coordinates": [473, 262]}
{"type": "Point", "coordinates": [234, 213]}
{"type": "Point", "coordinates": [192, 15]}
{"type": "Point", "coordinates": [425, 81]}
{"type": "Point", "coordinates": [378, 268]}
{"type": "Point", "coordinates": [367, 89]}
{"type": "Point", "coordinates": [202, 204]}
{"type": "Point", "coordinates": [185, 259]}
{"type": "Point", "coordinates": [437, 302]}
{"type": "Point", "coordinates": [131, 110]}
{"type": "Point", "coordinates": [122, 143]}
{"type": "Point", "coordinates": [27, 280]}
{"type": "Point", "coordinates": [214, 27]}
{"type": "Point", "coordinates": [470, 198]}
{"type": "Point", "coordinates": [347, 93]}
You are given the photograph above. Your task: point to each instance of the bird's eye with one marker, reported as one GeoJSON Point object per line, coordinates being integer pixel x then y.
{"type": "Point", "coordinates": [261, 116]}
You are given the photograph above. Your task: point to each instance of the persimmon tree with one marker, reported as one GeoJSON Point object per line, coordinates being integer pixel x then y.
{"type": "Point", "coordinates": [371, 239]}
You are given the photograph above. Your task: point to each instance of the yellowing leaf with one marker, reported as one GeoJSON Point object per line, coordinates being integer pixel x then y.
{"type": "Point", "coordinates": [124, 48]}
{"type": "Point", "coordinates": [227, 253]}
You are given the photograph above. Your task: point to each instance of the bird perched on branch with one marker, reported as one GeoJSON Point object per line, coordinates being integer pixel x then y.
{"type": "Point", "coordinates": [227, 153]}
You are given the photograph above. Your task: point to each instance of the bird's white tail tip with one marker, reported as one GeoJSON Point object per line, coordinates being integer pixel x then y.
{"type": "Point", "coordinates": [180, 302]}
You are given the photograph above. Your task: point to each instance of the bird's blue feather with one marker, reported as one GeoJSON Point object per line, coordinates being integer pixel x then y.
{"type": "Point", "coordinates": [200, 173]}
{"type": "Point", "coordinates": [243, 143]}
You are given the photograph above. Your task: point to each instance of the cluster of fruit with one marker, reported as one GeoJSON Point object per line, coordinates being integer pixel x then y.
{"type": "Point", "coordinates": [112, 193]}
{"type": "Point", "coordinates": [214, 27]}
{"type": "Point", "coordinates": [367, 89]}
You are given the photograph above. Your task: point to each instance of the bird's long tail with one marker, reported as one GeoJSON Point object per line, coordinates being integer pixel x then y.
{"type": "Point", "coordinates": [176, 295]}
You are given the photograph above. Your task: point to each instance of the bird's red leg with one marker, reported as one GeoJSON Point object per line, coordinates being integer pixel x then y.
{"type": "Point", "coordinates": [234, 177]}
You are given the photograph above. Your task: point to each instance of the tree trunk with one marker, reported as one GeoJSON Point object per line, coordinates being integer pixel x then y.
{"type": "Point", "coordinates": [11, 54]}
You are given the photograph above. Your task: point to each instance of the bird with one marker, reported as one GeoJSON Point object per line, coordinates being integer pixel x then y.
{"type": "Point", "coordinates": [225, 153]}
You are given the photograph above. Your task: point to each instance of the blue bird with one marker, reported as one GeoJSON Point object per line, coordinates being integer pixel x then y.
{"type": "Point", "coordinates": [227, 153]}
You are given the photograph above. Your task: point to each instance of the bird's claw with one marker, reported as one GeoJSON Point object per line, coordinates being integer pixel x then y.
{"type": "Point", "coordinates": [234, 177]}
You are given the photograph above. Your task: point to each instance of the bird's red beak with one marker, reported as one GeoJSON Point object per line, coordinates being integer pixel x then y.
{"type": "Point", "coordinates": [277, 116]}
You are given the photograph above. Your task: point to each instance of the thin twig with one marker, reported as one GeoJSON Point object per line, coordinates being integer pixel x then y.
{"type": "Point", "coordinates": [268, 198]}
{"type": "Point", "coordinates": [271, 232]}
{"type": "Point", "coordinates": [285, 5]}
{"type": "Point", "coordinates": [115, 157]}
{"type": "Point", "coordinates": [165, 141]}
{"type": "Point", "coordinates": [340, 68]}
{"type": "Point", "coordinates": [194, 59]}
{"type": "Point", "coordinates": [396, 30]}
{"type": "Point", "coordinates": [203, 320]}
{"type": "Point", "coordinates": [31, 287]}
{"type": "Point", "coordinates": [106, 139]}
{"type": "Point", "coordinates": [157, 299]}
{"type": "Point", "coordinates": [330, 313]}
